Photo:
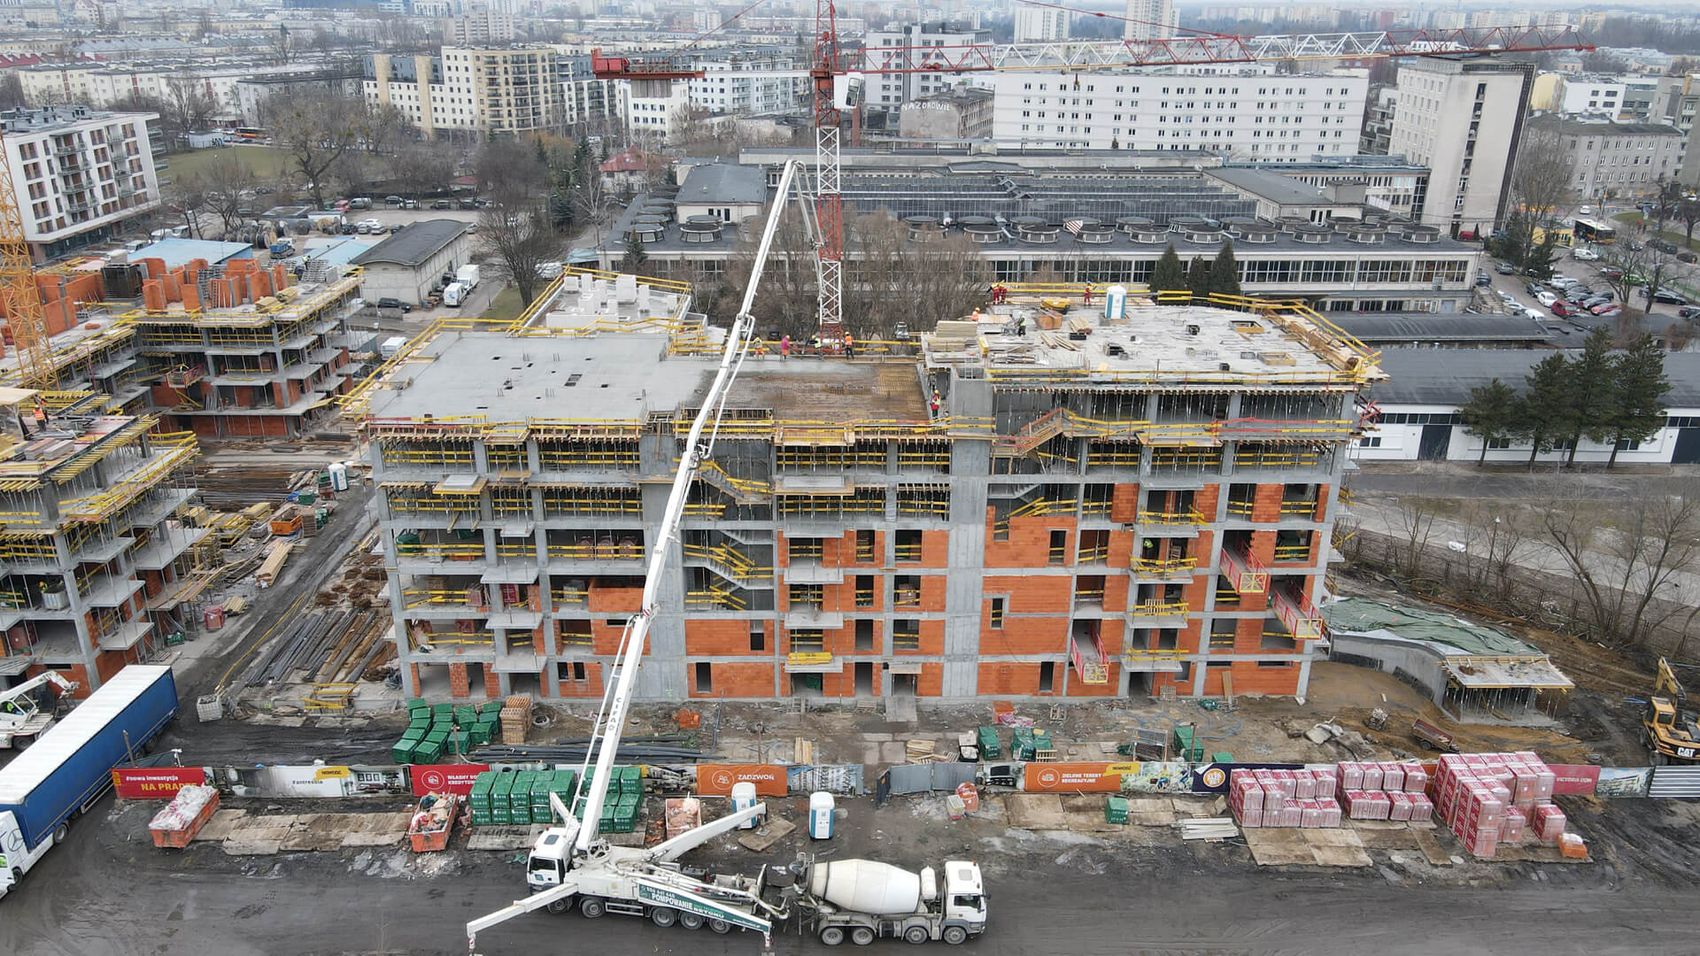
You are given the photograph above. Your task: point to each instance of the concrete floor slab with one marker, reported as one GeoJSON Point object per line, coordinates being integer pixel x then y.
{"type": "Point", "coordinates": [892, 752]}
{"type": "Point", "coordinates": [221, 826]}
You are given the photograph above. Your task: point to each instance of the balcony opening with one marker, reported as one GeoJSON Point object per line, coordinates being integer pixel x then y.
{"type": "Point", "coordinates": [1047, 677]}
{"type": "Point", "coordinates": [865, 637]}
{"type": "Point", "coordinates": [865, 585]}
{"type": "Point", "coordinates": [758, 637]}
{"type": "Point", "coordinates": [1094, 547]}
{"type": "Point", "coordinates": [865, 547]}
{"type": "Point", "coordinates": [906, 590]}
{"type": "Point", "coordinates": [807, 685]}
{"type": "Point", "coordinates": [864, 677]}
{"type": "Point", "coordinates": [705, 678]}
{"type": "Point", "coordinates": [905, 634]}
{"type": "Point", "coordinates": [908, 545]}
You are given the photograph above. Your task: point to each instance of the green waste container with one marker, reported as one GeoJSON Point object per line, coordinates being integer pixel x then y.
{"type": "Point", "coordinates": [1115, 810]}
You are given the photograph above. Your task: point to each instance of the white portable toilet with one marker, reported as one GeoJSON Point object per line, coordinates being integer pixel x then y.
{"type": "Point", "coordinates": [821, 806]}
{"type": "Point", "coordinates": [1115, 302]}
{"type": "Point", "coordinates": [339, 476]}
{"type": "Point", "coordinates": [743, 798]}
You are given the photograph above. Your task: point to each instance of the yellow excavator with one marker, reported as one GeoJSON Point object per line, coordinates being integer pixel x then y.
{"type": "Point", "coordinates": [1672, 734]}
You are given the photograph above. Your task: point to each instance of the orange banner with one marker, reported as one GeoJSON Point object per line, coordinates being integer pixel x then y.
{"type": "Point", "coordinates": [716, 779]}
{"type": "Point", "coordinates": [1072, 778]}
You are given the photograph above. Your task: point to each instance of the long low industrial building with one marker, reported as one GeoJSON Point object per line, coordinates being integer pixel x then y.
{"type": "Point", "coordinates": [1139, 504]}
{"type": "Point", "coordinates": [1419, 404]}
{"type": "Point", "coordinates": [1338, 256]}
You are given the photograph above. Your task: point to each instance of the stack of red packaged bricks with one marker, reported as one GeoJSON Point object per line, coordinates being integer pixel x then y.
{"type": "Point", "coordinates": [1494, 800]}
{"type": "Point", "coordinates": [1385, 790]}
{"type": "Point", "coordinates": [1284, 798]}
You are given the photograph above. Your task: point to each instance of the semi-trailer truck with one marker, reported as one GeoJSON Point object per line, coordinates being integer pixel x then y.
{"type": "Point", "coordinates": [70, 767]}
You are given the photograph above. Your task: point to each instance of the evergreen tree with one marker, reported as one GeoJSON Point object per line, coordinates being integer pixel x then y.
{"type": "Point", "coordinates": [634, 257]}
{"type": "Point", "coordinates": [1591, 392]}
{"type": "Point", "coordinates": [1491, 414]}
{"type": "Point", "coordinates": [1198, 276]}
{"type": "Point", "coordinates": [581, 159]}
{"type": "Point", "coordinates": [1167, 275]}
{"type": "Point", "coordinates": [1539, 261]}
{"type": "Point", "coordinates": [1544, 411]}
{"type": "Point", "coordinates": [1639, 386]}
{"type": "Point", "coordinates": [1225, 271]}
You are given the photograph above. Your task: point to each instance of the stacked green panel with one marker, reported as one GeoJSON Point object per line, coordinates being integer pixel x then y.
{"type": "Point", "coordinates": [1115, 810]}
{"type": "Point", "coordinates": [479, 799]}
{"type": "Point", "coordinates": [990, 749]}
{"type": "Point", "coordinates": [519, 798]}
{"type": "Point", "coordinates": [499, 795]}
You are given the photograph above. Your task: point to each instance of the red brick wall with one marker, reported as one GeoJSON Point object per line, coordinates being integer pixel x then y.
{"type": "Point", "coordinates": [718, 638]}
{"type": "Point", "coordinates": [736, 680]}
{"type": "Point", "coordinates": [935, 549]}
{"type": "Point", "coordinates": [930, 682]}
{"type": "Point", "coordinates": [590, 687]}
{"type": "Point", "coordinates": [1032, 594]}
{"type": "Point", "coordinates": [1029, 543]}
{"type": "Point", "coordinates": [1110, 688]}
{"type": "Point", "coordinates": [1266, 502]}
{"type": "Point", "coordinates": [459, 684]}
{"type": "Point", "coordinates": [492, 683]}
{"type": "Point", "coordinates": [1124, 502]}
{"type": "Point", "coordinates": [1321, 512]}
{"type": "Point", "coordinates": [1204, 501]}
{"type": "Point", "coordinates": [1252, 679]}
{"type": "Point", "coordinates": [1014, 678]}
{"type": "Point", "coordinates": [1023, 636]}
{"type": "Point", "coordinates": [604, 599]}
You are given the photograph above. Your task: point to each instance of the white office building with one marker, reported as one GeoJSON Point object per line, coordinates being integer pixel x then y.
{"type": "Point", "coordinates": [892, 90]}
{"type": "Point", "coordinates": [78, 173]}
{"type": "Point", "coordinates": [1040, 24]}
{"type": "Point", "coordinates": [1150, 20]}
{"type": "Point", "coordinates": [471, 92]}
{"type": "Point", "coordinates": [1463, 121]}
{"type": "Point", "coordinates": [1248, 114]}
{"type": "Point", "coordinates": [748, 84]}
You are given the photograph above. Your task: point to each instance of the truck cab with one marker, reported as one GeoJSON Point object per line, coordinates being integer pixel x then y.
{"type": "Point", "coordinates": [964, 897]}
{"type": "Point", "coordinates": [551, 858]}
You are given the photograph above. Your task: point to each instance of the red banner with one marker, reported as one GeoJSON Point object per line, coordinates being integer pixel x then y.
{"type": "Point", "coordinates": [453, 778]}
{"type": "Point", "coordinates": [716, 779]}
{"type": "Point", "coordinates": [1574, 778]}
{"type": "Point", "coordinates": [154, 783]}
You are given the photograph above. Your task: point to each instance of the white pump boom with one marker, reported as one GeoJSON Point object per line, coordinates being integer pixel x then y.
{"type": "Point", "coordinates": [611, 724]}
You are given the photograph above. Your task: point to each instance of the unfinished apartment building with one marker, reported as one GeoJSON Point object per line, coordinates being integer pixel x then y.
{"type": "Point", "coordinates": [93, 573]}
{"type": "Point", "coordinates": [1136, 507]}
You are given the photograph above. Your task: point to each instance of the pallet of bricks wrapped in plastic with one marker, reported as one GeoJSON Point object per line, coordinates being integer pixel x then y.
{"type": "Point", "coordinates": [1263, 798]}
{"type": "Point", "coordinates": [1385, 790]}
{"type": "Point", "coordinates": [516, 718]}
{"type": "Point", "coordinates": [1501, 799]}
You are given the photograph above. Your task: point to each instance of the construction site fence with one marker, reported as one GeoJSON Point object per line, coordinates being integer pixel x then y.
{"type": "Point", "coordinates": [1473, 584]}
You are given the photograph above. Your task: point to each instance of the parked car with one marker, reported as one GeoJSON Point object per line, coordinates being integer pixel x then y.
{"type": "Point", "coordinates": [1565, 309]}
{"type": "Point", "coordinates": [1533, 288]}
{"type": "Point", "coordinates": [1535, 314]}
{"type": "Point", "coordinates": [1662, 246]}
{"type": "Point", "coordinates": [1584, 210]}
{"type": "Point", "coordinates": [442, 204]}
{"type": "Point", "coordinates": [1577, 293]}
{"type": "Point", "coordinates": [1605, 308]}
{"type": "Point", "coordinates": [1635, 278]}
{"type": "Point", "coordinates": [410, 204]}
{"type": "Point", "coordinates": [1688, 312]}
{"type": "Point", "coordinates": [1508, 298]}
{"type": "Point", "coordinates": [394, 202]}
{"type": "Point", "coordinates": [360, 203]}
{"type": "Point", "coordinates": [1594, 300]}
{"type": "Point", "coordinates": [1686, 256]}
{"type": "Point", "coordinates": [1505, 268]}
{"type": "Point", "coordinates": [1669, 297]}
{"type": "Point", "coordinates": [1483, 279]}
{"type": "Point", "coordinates": [347, 229]}
{"type": "Point", "coordinates": [1545, 298]}
{"type": "Point", "coordinates": [388, 302]}
{"type": "Point", "coordinates": [1585, 255]}
{"type": "Point", "coordinates": [370, 225]}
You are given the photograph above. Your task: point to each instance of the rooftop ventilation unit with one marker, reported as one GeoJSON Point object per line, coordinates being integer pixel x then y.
{"type": "Point", "coordinates": [1313, 233]}
{"type": "Point", "coordinates": [924, 228]}
{"type": "Point", "coordinates": [701, 229]}
{"type": "Point", "coordinates": [981, 229]}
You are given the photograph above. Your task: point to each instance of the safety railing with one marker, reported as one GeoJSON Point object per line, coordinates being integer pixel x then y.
{"type": "Point", "coordinates": [442, 597]}
{"type": "Point", "coordinates": [1191, 516]}
{"type": "Point", "coordinates": [609, 549]}
{"type": "Point", "coordinates": [1300, 618]}
{"type": "Point", "coordinates": [1157, 609]}
{"type": "Point", "coordinates": [566, 596]}
{"type": "Point", "coordinates": [1163, 565]}
{"type": "Point", "coordinates": [728, 560]}
{"type": "Point", "coordinates": [1285, 553]}
{"type": "Point", "coordinates": [715, 598]}
{"type": "Point", "coordinates": [1244, 572]}
{"type": "Point", "coordinates": [1093, 555]}
{"type": "Point", "coordinates": [172, 451]}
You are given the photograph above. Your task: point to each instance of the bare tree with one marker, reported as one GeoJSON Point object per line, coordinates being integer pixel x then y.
{"type": "Point", "coordinates": [316, 132]}
{"type": "Point", "coordinates": [1628, 270]}
{"type": "Point", "coordinates": [1416, 524]}
{"type": "Point", "coordinates": [516, 228]}
{"type": "Point", "coordinates": [1628, 557]}
{"type": "Point", "coordinates": [786, 305]}
{"type": "Point", "coordinates": [919, 281]}
{"type": "Point", "coordinates": [226, 185]}
{"type": "Point", "coordinates": [1500, 538]}
{"type": "Point", "coordinates": [1544, 181]}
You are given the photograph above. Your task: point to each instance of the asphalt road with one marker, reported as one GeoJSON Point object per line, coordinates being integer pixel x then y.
{"type": "Point", "coordinates": [94, 897]}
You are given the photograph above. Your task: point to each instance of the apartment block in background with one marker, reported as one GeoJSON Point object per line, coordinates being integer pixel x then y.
{"type": "Point", "coordinates": [1462, 120]}
{"type": "Point", "coordinates": [79, 174]}
{"type": "Point", "coordinates": [93, 573]}
{"type": "Point", "coordinates": [1145, 506]}
{"type": "Point", "coordinates": [471, 92]}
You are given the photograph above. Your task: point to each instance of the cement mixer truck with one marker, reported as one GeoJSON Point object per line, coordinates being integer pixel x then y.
{"type": "Point", "coordinates": [863, 900]}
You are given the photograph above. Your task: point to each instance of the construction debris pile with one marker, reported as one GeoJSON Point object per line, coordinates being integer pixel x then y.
{"type": "Point", "coordinates": [177, 824]}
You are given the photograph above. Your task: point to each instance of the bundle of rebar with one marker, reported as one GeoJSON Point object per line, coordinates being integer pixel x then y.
{"type": "Point", "coordinates": [641, 750]}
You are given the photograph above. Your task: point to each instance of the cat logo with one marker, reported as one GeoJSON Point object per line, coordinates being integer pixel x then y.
{"type": "Point", "coordinates": [1214, 777]}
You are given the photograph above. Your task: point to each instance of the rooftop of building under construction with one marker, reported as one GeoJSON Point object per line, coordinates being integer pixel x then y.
{"type": "Point", "coordinates": [625, 377]}
{"type": "Point", "coordinates": [1159, 344]}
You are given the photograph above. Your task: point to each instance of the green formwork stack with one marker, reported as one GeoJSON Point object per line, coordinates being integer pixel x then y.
{"type": "Point", "coordinates": [1021, 743]}
{"type": "Point", "coordinates": [990, 748]}
{"type": "Point", "coordinates": [500, 793]}
{"type": "Point", "coordinates": [519, 798]}
{"type": "Point", "coordinates": [479, 799]}
{"type": "Point", "coordinates": [443, 730]}
{"type": "Point", "coordinates": [1187, 747]}
{"type": "Point", "coordinates": [547, 782]}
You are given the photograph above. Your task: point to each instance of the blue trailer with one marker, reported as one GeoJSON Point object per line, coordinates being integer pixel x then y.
{"type": "Point", "coordinates": [70, 766]}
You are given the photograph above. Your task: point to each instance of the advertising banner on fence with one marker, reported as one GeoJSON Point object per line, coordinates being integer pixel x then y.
{"type": "Point", "coordinates": [444, 777]}
{"type": "Point", "coordinates": [155, 783]}
{"type": "Point", "coordinates": [1213, 777]}
{"type": "Point", "coordinates": [1574, 779]}
{"type": "Point", "coordinates": [1071, 778]}
{"type": "Point", "coordinates": [716, 779]}
{"type": "Point", "coordinates": [1623, 781]}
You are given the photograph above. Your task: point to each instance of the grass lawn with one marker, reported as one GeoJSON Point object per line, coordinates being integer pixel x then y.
{"type": "Point", "coordinates": [1671, 236]}
{"type": "Point", "coordinates": [267, 163]}
{"type": "Point", "coordinates": [506, 305]}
